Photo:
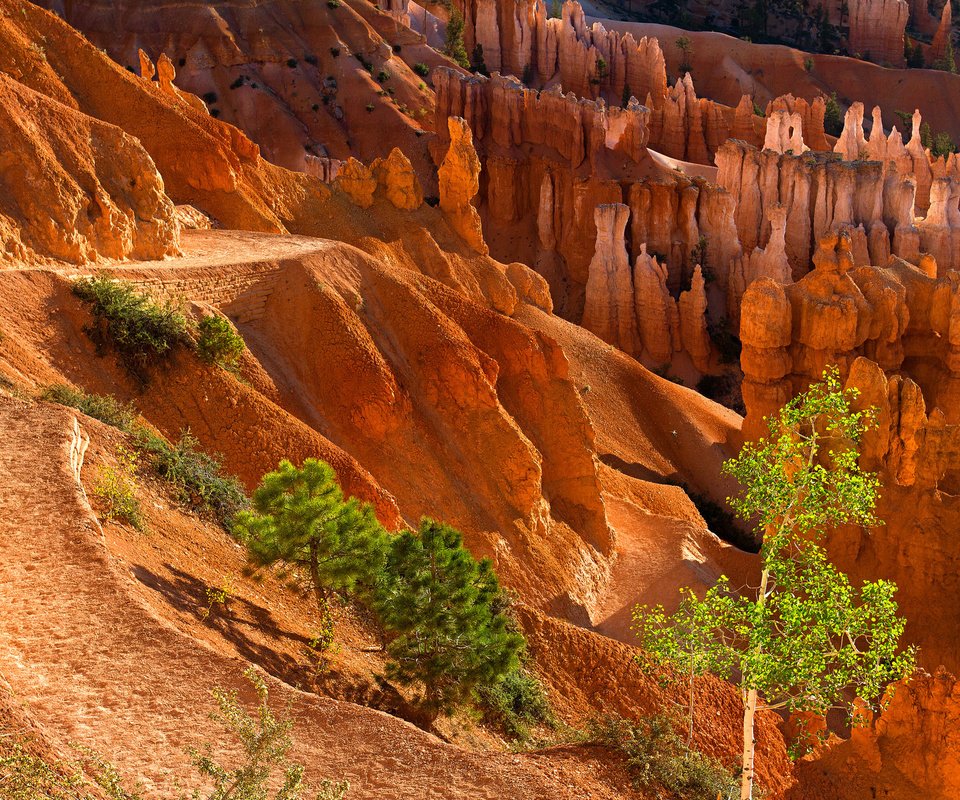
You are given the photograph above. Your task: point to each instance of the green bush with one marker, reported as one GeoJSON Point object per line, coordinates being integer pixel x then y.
{"type": "Point", "coordinates": [116, 489]}
{"type": "Point", "coordinates": [139, 327]}
{"type": "Point", "coordinates": [195, 476]}
{"type": "Point", "coordinates": [515, 703]}
{"type": "Point", "coordinates": [660, 762]}
{"type": "Point", "coordinates": [725, 340]}
{"type": "Point", "coordinates": [421, 69]}
{"type": "Point", "coordinates": [266, 743]}
{"type": "Point", "coordinates": [219, 343]}
{"type": "Point", "coordinates": [105, 408]}
{"type": "Point", "coordinates": [25, 776]}
{"type": "Point", "coordinates": [833, 116]}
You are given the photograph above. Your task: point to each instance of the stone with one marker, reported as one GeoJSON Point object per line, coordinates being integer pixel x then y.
{"type": "Point", "coordinates": [459, 182]}
{"type": "Point", "coordinates": [357, 182]}
{"type": "Point", "coordinates": [693, 322]}
{"type": "Point", "coordinates": [658, 318]}
{"type": "Point", "coordinates": [397, 180]}
{"type": "Point", "coordinates": [609, 305]}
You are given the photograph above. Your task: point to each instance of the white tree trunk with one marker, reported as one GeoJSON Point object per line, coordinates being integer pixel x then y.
{"type": "Point", "coordinates": [749, 711]}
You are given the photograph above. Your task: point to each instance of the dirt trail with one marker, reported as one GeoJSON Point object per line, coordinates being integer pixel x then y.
{"type": "Point", "coordinates": [94, 665]}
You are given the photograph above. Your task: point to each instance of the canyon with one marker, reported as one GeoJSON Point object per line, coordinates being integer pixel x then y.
{"type": "Point", "coordinates": [544, 301]}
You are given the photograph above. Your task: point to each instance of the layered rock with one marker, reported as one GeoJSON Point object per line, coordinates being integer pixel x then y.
{"type": "Point", "coordinates": [942, 39]}
{"type": "Point", "coordinates": [459, 181]}
{"type": "Point", "coordinates": [769, 261]}
{"type": "Point", "coordinates": [657, 314]}
{"type": "Point", "coordinates": [840, 311]}
{"type": "Point", "coordinates": [76, 189]}
{"type": "Point", "coordinates": [609, 307]}
{"type": "Point", "coordinates": [785, 133]}
{"type": "Point", "coordinates": [397, 180]}
{"type": "Point", "coordinates": [821, 193]}
{"type": "Point", "coordinates": [357, 182]}
{"type": "Point", "coordinates": [919, 727]}
{"type": "Point", "coordinates": [877, 28]}
{"type": "Point", "coordinates": [501, 110]}
{"type": "Point", "coordinates": [811, 115]}
{"type": "Point", "coordinates": [693, 322]}
{"type": "Point", "coordinates": [282, 73]}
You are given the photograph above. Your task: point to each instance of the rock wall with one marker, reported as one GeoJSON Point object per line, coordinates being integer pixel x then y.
{"type": "Point", "coordinates": [822, 193]}
{"type": "Point", "coordinates": [903, 320]}
{"type": "Point", "coordinates": [876, 30]}
{"type": "Point", "coordinates": [634, 310]}
{"type": "Point", "coordinates": [76, 189]}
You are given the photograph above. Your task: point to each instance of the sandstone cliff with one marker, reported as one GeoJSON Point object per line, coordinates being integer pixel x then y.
{"type": "Point", "coordinates": [76, 189]}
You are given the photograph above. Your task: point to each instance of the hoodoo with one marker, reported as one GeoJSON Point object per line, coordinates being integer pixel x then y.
{"type": "Point", "coordinates": [482, 399]}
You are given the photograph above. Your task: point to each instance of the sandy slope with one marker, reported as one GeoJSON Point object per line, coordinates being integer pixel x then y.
{"type": "Point", "coordinates": [93, 664]}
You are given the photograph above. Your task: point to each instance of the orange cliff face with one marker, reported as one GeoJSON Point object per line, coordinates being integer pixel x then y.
{"type": "Point", "coordinates": [306, 81]}
{"type": "Point", "coordinates": [384, 335]}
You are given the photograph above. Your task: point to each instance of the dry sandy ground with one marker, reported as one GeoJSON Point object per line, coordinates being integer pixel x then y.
{"type": "Point", "coordinates": [93, 663]}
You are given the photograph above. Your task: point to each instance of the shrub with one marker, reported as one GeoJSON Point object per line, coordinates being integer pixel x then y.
{"type": "Point", "coordinates": [219, 343]}
{"type": "Point", "coordinates": [808, 64]}
{"type": "Point", "coordinates": [311, 59]}
{"type": "Point", "coordinates": [266, 742]}
{"type": "Point", "coordinates": [333, 3]}
{"type": "Point", "coordinates": [195, 476]}
{"type": "Point", "coordinates": [370, 107]}
{"type": "Point", "coordinates": [383, 76]}
{"type": "Point", "coordinates": [725, 340]}
{"type": "Point", "coordinates": [292, 63]}
{"type": "Point", "coordinates": [602, 68]}
{"type": "Point", "coordinates": [335, 52]}
{"type": "Point", "coordinates": [515, 703]}
{"type": "Point", "coordinates": [140, 328]}
{"type": "Point", "coordinates": [659, 761]}
{"type": "Point", "coordinates": [446, 612]}
{"type": "Point", "coordinates": [209, 98]}
{"type": "Point", "coordinates": [238, 82]}
{"type": "Point", "coordinates": [479, 65]}
{"type": "Point", "coordinates": [105, 408]}
{"type": "Point", "coordinates": [421, 69]}
{"type": "Point", "coordinates": [25, 776]}
{"type": "Point", "coordinates": [116, 489]}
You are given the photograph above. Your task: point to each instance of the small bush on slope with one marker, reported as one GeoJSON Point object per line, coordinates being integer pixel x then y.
{"type": "Point", "coordinates": [659, 762]}
{"type": "Point", "coordinates": [515, 703]}
{"type": "Point", "coordinates": [266, 744]}
{"type": "Point", "coordinates": [25, 776]}
{"type": "Point", "coordinates": [219, 343]}
{"type": "Point", "coordinates": [264, 737]}
{"type": "Point", "coordinates": [195, 476]}
{"type": "Point", "coordinates": [138, 326]}
{"type": "Point", "coordinates": [105, 408]}
{"type": "Point", "coordinates": [116, 489]}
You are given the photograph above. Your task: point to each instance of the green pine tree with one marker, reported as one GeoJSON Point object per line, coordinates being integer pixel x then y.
{"type": "Point", "coordinates": [302, 520]}
{"type": "Point", "coordinates": [454, 47]}
{"type": "Point", "coordinates": [833, 116]}
{"type": "Point", "coordinates": [447, 614]}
